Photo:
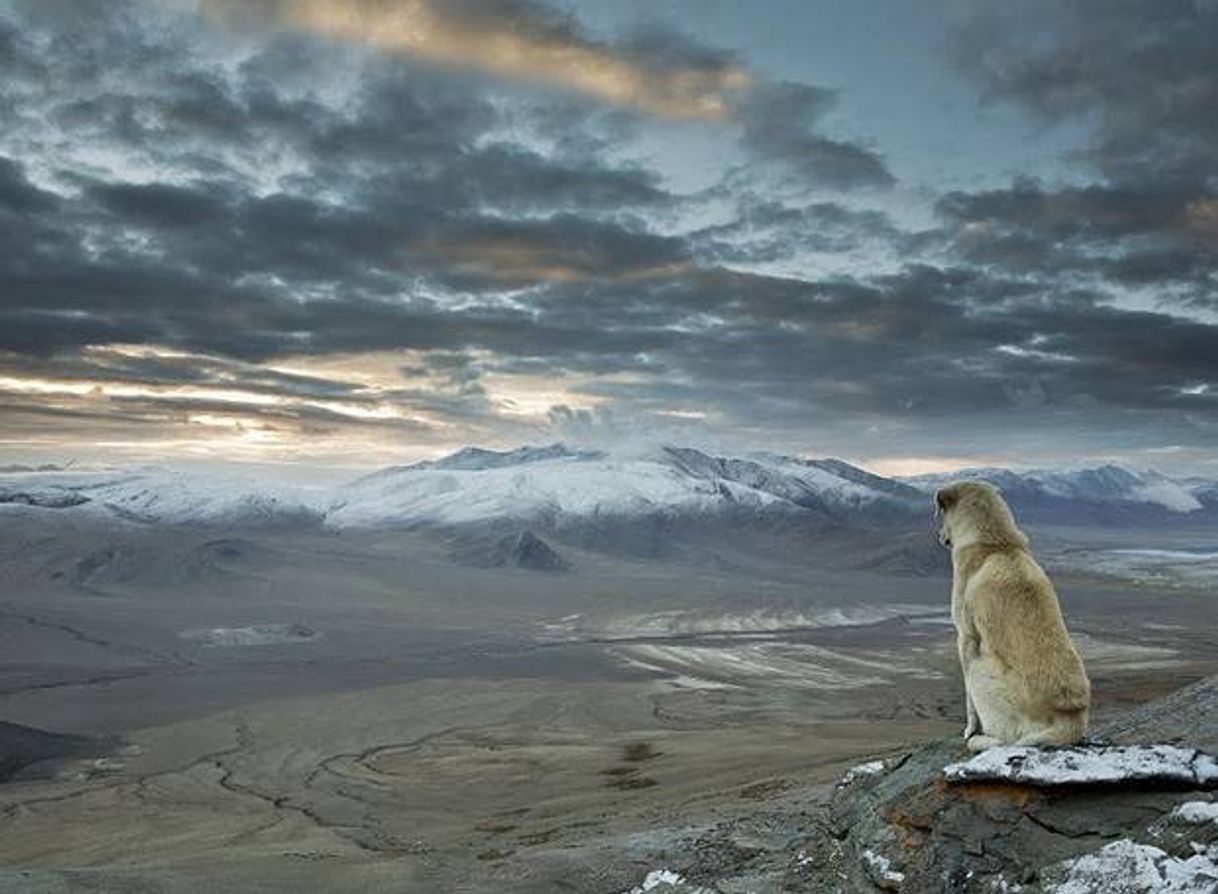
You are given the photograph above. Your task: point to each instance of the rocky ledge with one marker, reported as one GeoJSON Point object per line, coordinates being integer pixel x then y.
{"type": "Point", "coordinates": [1134, 815]}
{"type": "Point", "coordinates": [1115, 820]}
{"type": "Point", "coordinates": [1091, 765]}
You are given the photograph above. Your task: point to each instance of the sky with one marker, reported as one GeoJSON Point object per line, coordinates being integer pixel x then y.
{"type": "Point", "coordinates": [915, 234]}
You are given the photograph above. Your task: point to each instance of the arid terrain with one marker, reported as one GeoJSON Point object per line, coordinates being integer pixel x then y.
{"type": "Point", "coordinates": [358, 710]}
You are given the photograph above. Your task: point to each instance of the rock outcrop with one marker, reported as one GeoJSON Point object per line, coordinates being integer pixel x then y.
{"type": "Point", "coordinates": [1035, 821]}
{"type": "Point", "coordinates": [1139, 816]}
{"type": "Point", "coordinates": [527, 550]}
{"type": "Point", "coordinates": [1135, 814]}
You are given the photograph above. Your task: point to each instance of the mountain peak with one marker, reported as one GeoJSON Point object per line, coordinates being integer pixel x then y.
{"type": "Point", "coordinates": [478, 458]}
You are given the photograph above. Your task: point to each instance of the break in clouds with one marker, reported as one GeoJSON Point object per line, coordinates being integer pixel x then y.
{"type": "Point", "coordinates": [302, 228]}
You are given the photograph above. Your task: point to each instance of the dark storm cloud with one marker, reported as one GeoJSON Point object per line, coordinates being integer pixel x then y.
{"type": "Point", "coordinates": [1143, 78]}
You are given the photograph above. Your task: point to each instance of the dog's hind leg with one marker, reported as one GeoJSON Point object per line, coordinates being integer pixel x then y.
{"type": "Point", "coordinates": [1064, 730]}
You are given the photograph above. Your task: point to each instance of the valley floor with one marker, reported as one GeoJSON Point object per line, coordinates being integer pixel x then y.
{"type": "Point", "coordinates": [316, 712]}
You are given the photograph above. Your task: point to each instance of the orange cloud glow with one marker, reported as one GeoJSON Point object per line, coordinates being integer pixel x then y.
{"type": "Point", "coordinates": [547, 51]}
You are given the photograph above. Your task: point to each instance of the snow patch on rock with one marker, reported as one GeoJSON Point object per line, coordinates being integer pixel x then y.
{"type": "Point", "coordinates": [880, 871]}
{"type": "Point", "coordinates": [659, 880]}
{"type": "Point", "coordinates": [862, 771]}
{"type": "Point", "coordinates": [1088, 765]}
{"type": "Point", "coordinates": [1197, 812]}
{"type": "Point", "coordinates": [1126, 867]}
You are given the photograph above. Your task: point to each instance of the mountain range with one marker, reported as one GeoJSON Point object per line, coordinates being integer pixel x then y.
{"type": "Point", "coordinates": [555, 487]}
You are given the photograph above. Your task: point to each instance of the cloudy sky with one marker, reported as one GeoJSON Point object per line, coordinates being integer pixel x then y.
{"type": "Point", "coordinates": [916, 234]}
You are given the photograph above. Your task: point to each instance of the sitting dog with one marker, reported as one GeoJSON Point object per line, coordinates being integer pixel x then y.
{"type": "Point", "coordinates": [1024, 681]}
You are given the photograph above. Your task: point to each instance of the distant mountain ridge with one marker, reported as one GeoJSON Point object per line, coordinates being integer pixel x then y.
{"type": "Point", "coordinates": [556, 486]}
{"type": "Point", "coordinates": [1106, 494]}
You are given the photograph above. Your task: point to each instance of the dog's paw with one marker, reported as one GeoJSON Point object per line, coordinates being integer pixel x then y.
{"type": "Point", "coordinates": [980, 742]}
{"type": "Point", "coordinates": [970, 730]}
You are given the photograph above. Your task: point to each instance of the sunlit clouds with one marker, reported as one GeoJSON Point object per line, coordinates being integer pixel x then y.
{"type": "Point", "coordinates": [357, 409]}
{"type": "Point", "coordinates": [375, 230]}
{"type": "Point", "coordinates": [517, 40]}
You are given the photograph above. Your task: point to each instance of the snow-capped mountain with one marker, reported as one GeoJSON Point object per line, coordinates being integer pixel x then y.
{"type": "Point", "coordinates": [555, 484]}
{"type": "Point", "coordinates": [476, 459]}
{"type": "Point", "coordinates": [1106, 494]}
{"type": "Point", "coordinates": [152, 494]}
{"type": "Point", "coordinates": [554, 487]}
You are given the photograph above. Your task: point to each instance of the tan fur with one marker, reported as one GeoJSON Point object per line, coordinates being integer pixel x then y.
{"type": "Point", "coordinates": [1024, 680]}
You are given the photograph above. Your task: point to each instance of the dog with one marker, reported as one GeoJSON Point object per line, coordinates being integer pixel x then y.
{"type": "Point", "coordinates": [1024, 681]}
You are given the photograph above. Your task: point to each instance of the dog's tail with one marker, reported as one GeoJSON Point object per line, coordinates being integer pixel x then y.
{"type": "Point", "coordinates": [1066, 729]}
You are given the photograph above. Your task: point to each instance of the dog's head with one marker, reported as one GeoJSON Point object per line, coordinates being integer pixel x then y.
{"type": "Point", "coordinates": [974, 512]}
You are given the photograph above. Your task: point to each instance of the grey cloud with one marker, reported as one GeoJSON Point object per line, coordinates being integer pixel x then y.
{"type": "Point", "coordinates": [1142, 236]}
{"type": "Point", "coordinates": [1145, 69]}
{"type": "Point", "coordinates": [479, 253]}
{"type": "Point", "coordinates": [299, 415]}
{"type": "Point", "coordinates": [18, 195]}
{"type": "Point", "coordinates": [780, 121]}
{"type": "Point", "coordinates": [1092, 212]}
{"type": "Point", "coordinates": [384, 186]}
{"type": "Point", "coordinates": [657, 71]}
{"type": "Point", "coordinates": [407, 217]}
{"type": "Point", "coordinates": [1142, 77]}
{"type": "Point", "coordinates": [765, 229]}
{"type": "Point", "coordinates": [158, 204]}
{"type": "Point", "coordinates": [159, 369]}
{"type": "Point", "coordinates": [922, 343]}
{"type": "Point", "coordinates": [118, 415]}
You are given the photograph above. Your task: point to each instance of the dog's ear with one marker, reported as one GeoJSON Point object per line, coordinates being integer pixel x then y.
{"type": "Point", "coordinates": [945, 499]}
